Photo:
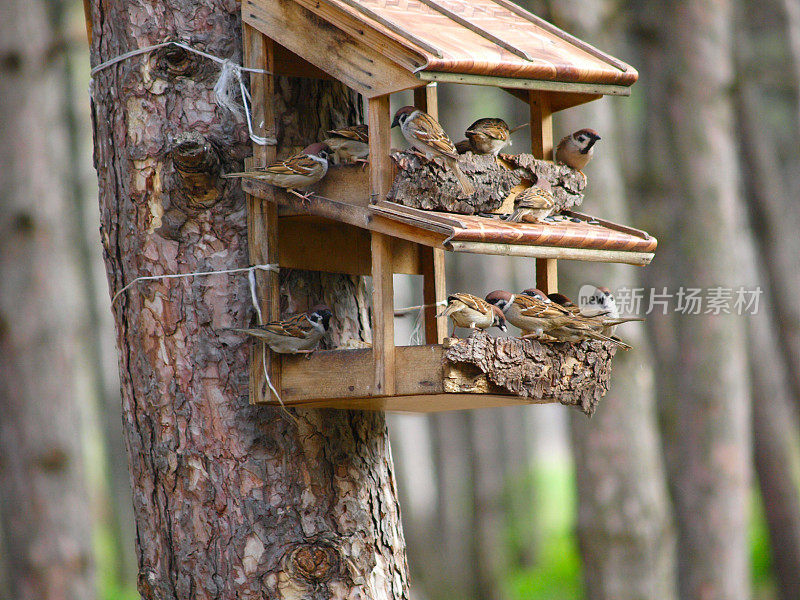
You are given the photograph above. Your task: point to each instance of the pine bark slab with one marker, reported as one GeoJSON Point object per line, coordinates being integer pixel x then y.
{"type": "Point", "coordinates": [572, 374]}
{"type": "Point", "coordinates": [428, 186]}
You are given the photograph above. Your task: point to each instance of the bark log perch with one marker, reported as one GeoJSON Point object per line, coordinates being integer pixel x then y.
{"type": "Point", "coordinates": [428, 186]}
{"type": "Point", "coordinates": [572, 374]}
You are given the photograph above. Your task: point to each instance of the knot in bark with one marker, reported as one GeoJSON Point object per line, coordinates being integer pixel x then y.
{"type": "Point", "coordinates": [313, 562]}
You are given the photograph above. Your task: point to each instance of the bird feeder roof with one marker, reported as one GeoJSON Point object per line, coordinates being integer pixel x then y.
{"type": "Point", "coordinates": [489, 42]}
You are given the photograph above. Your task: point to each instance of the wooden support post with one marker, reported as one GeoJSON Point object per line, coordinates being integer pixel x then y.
{"type": "Point", "coordinates": [383, 350]}
{"type": "Point", "coordinates": [262, 215]}
{"type": "Point", "coordinates": [434, 288]}
{"type": "Point", "coordinates": [542, 148]}
{"type": "Point", "coordinates": [381, 245]}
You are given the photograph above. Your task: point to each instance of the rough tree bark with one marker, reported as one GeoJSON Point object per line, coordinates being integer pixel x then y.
{"type": "Point", "coordinates": [625, 528]}
{"type": "Point", "coordinates": [231, 500]}
{"type": "Point", "coordinates": [426, 185]}
{"type": "Point", "coordinates": [44, 514]}
{"type": "Point", "coordinates": [706, 406]}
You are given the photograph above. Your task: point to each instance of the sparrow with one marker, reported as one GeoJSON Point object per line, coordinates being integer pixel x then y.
{"type": "Point", "coordinates": [425, 134]}
{"type": "Point", "coordinates": [576, 150]}
{"type": "Point", "coordinates": [601, 306]}
{"type": "Point", "coordinates": [349, 144]}
{"type": "Point", "coordinates": [296, 172]}
{"type": "Point", "coordinates": [471, 312]}
{"type": "Point", "coordinates": [488, 136]}
{"type": "Point", "coordinates": [601, 322]}
{"type": "Point", "coordinates": [534, 314]}
{"type": "Point", "coordinates": [299, 334]}
{"type": "Point", "coordinates": [578, 328]}
{"type": "Point", "coordinates": [533, 204]}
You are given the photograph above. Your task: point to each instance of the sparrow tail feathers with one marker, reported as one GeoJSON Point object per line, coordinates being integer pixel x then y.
{"type": "Point", "coordinates": [466, 184]}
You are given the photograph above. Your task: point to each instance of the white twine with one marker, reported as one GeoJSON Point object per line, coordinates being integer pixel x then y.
{"type": "Point", "coordinates": [223, 93]}
{"type": "Point", "coordinates": [415, 337]}
{"type": "Point", "coordinates": [267, 267]}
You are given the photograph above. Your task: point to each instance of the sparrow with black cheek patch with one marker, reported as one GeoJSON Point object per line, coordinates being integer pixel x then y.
{"type": "Point", "coordinates": [471, 312]}
{"type": "Point", "coordinates": [296, 335]}
{"type": "Point", "coordinates": [425, 134]}
{"type": "Point", "coordinates": [533, 204]}
{"type": "Point", "coordinates": [576, 150]}
{"type": "Point", "coordinates": [534, 314]}
{"type": "Point", "coordinates": [349, 144]}
{"type": "Point", "coordinates": [294, 173]}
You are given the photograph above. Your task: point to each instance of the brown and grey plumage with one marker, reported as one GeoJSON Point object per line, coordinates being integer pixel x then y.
{"type": "Point", "coordinates": [294, 173]}
{"type": "Point", "coordinates": [533, 204]}
{"type": "Point", "coordinates": [298, 334]}
{"type": "Point", "coordinates": [577, 149]}
{"type": "Point", "coordinates": [472, 312]}
{"type": "Point", "coordinates": [488, 135]}
{"type": "Point", "coordinates": [349, 144]}
{"type": "Point", "coordinates": [425, 134]}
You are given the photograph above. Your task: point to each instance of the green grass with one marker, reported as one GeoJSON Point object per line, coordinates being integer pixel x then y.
{"type": "Point", "coordinates": [109, 587]}
{"type": "Point", "coordinates": [557, 573]}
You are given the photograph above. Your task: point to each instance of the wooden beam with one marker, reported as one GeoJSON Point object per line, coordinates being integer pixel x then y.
{"type": "Point", "coordinates": [380, 169]}
{"type": "Point", "coordinates": [554, 252]}
{"type": "Point", "coordinates": [434, 292]}
{"type": "Point", "coordinates": [262, 215]}
{"type": "Point", "coordinates": [526, 84]}
{"type": "Point", "coordinates": [427, 99]}
{"type": "Point", "coordinates": [383, 314]}
{"type": "Point", "coordinates": [353, 62]}
{"type": "Point", "coordinates": [542, 148]}
{"type": "Point", "coordinates": [541, 125]}
{"type": "Point", "coordinates": [312, 243]}
{"type": "Point", "coordinates": [434, 287]}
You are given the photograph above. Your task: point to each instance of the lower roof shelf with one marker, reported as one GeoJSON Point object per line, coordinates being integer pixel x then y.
{"type": "Point", "coordinates": [343, 198]}
{"type": "Point", "coordinates": [476, 372]}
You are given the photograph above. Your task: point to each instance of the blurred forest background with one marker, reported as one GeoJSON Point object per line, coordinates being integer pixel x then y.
{"type": "Point", "coordinates": [685, 484]}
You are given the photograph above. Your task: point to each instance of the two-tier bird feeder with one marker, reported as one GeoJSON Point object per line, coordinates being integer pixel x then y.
{"type": "Point", "coordinates": [379, 47]}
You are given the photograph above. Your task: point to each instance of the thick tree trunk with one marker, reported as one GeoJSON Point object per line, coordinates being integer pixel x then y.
{"type": "Point", "coordinates": [776, 443]}
{"type": "Point", "coordinates": [231, 501]}
{"type": "Point", "coordinates": [706, 410]}
{"type": "Point", "coordinates": [44, 513]}
{"type": "Point", "coordinates": [625, 528]}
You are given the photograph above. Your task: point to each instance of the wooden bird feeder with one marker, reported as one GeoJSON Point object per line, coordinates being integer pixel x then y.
{"type": "Point", "coordinates": [378, 47]}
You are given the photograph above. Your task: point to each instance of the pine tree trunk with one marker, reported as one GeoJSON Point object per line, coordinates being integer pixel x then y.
{"type": "Point", "coordinates": [706, 406]}
{"type": "Point", "coordinates": [625, 527]}
{"type": "Point", "coordinates": [776, 443]}
{"type": "Point", "coordinates": [231, 500]}
{"type": "Point", "coordinates": [45, 515]}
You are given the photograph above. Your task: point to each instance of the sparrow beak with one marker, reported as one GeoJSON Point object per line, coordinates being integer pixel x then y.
{"type": "Point", "coordinates": [396, 122]}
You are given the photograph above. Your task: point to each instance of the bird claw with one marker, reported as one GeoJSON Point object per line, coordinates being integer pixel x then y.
{"type": "Point", "coordinates": [304, 198]}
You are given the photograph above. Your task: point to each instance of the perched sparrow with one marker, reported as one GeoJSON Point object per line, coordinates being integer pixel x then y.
{"type": "Point", "coordinates": [559, 299]}
{"type": "Point", "coordinates": [533, 204]}
{"type": "Point", "coordinates": [601, 307]}
{"type": "Point", "coordinates": [349, 144]}
{"type": "Point", "coordinates": [298, 334]}
{"type": "Point", "coordinates": [576, 150]}
{"type": "Point", "coordinates": [471, 312]}
{"type": "Point", "coordinates": [425, 134]}
{"type": "Point", "coordinates": [296, 172]}
{"type": "Point", "coordinates": [534, 314]}
{"type": "Point", "coordinates": [579, 328]}
{"type": "Point", "coordinates": [488, 136]}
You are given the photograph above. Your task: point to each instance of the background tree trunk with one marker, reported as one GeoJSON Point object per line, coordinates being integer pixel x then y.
{"type": "Point", "coordinates": [625, 527]}
{"type": "Point", "coordinates": [231, 501]}
{"type": "Point", "coordinates": [706, 409]}
{"type": "Point", "coordinates": [45, 515]}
